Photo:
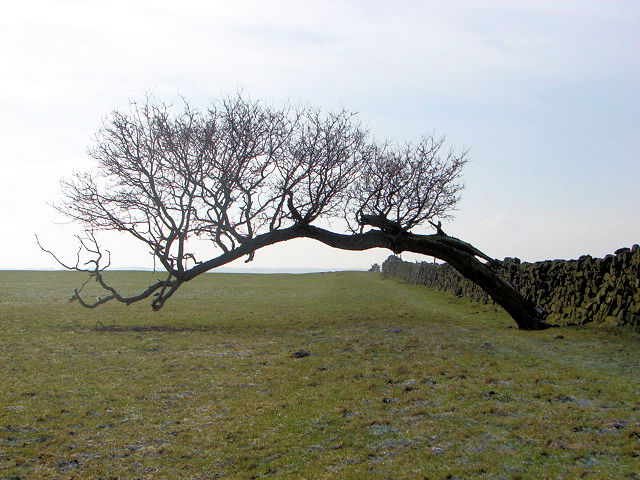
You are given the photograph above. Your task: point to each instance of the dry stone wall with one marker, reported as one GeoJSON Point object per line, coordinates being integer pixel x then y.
{"type": "Point", "coordinates": [600, 290]}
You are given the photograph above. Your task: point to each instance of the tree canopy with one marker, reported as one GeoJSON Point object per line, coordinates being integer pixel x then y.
{"type": "Point", "coordinates": [243, 175]}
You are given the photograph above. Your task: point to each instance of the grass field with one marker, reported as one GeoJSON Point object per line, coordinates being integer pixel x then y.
{"type": "Point", "coordinates": [401, 383]}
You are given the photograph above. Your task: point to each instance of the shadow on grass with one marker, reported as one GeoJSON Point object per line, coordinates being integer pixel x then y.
{"type": "Point", "coordinates": [153, 328]}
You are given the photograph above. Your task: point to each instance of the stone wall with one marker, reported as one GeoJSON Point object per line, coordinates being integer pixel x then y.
{"type": "Point", "coordinates": [600, 290]}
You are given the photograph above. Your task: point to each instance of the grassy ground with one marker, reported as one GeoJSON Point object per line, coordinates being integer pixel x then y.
{"type": "Point", "coordinates": [401, 383]}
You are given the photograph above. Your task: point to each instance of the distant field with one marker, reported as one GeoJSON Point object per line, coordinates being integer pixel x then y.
{"type": "Point", "coordinates": [401, 383]}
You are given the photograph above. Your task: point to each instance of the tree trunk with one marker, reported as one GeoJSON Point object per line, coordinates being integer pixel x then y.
{"type": "Point", "coordinates": [460, 255]}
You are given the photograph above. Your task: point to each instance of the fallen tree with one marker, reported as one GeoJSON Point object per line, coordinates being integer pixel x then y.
{"type": "Point", "coordinates": [245, 175]}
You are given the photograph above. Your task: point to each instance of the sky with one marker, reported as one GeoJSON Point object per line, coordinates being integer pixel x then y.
{"type": "Point", "coordinates": [544, 94]}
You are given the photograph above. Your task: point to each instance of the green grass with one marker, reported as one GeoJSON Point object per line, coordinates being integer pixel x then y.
{"type": "Point", "coordinates": [402, 383]}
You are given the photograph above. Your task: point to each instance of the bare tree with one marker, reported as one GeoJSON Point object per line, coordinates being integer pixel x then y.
{"type": "Point", "coordinates": [245, 175]}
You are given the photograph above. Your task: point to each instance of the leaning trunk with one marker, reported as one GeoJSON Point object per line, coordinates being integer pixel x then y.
{"type": "Point", "coordinates": [524, 312]}
{"type": "Point", "coordinates": [460, 255]}
{"type": "Point", "coordinates": [457, 253]}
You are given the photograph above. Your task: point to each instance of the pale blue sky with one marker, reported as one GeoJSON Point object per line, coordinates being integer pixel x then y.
{"type": "Point", "coordinates": [544, 94]}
